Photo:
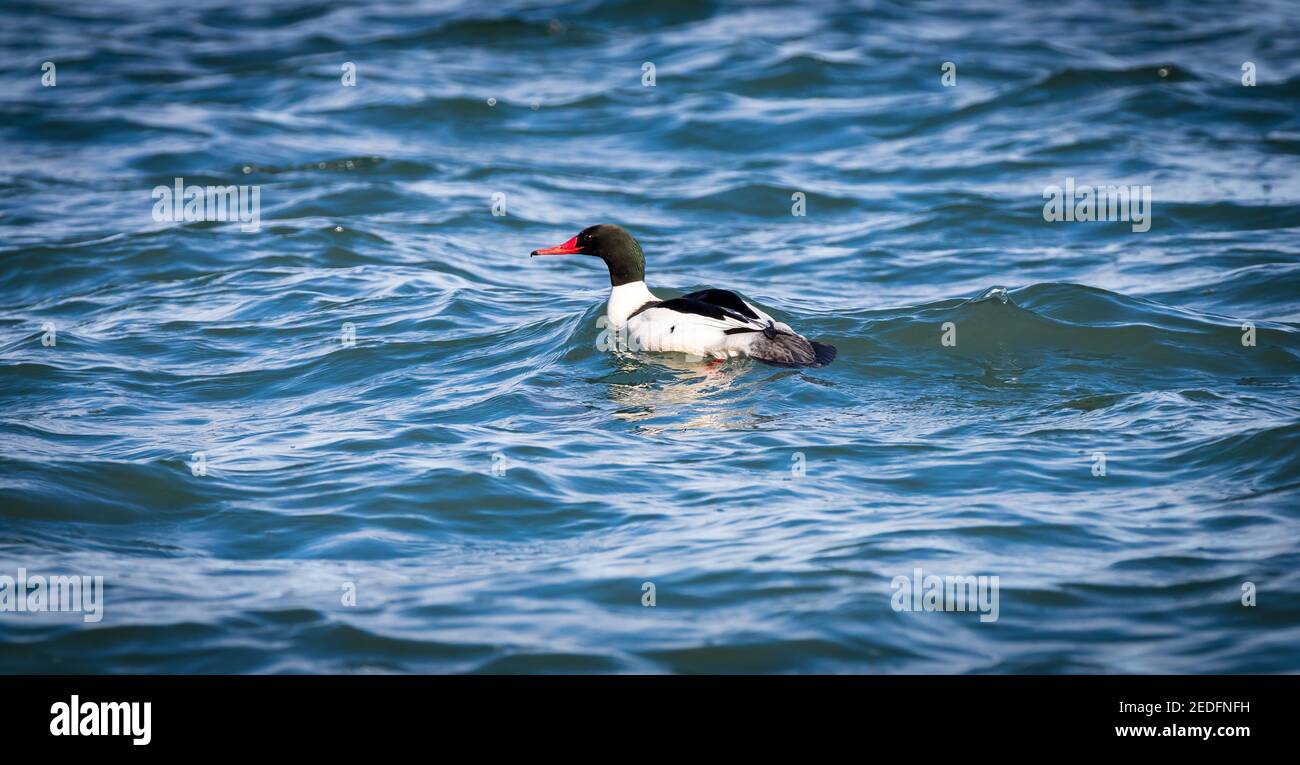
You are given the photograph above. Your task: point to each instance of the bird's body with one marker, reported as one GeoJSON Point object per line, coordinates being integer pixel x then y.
{"type": "Point", "coordinates": [710, 323]}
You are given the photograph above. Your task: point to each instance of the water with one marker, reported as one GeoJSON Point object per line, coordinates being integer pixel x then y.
{"type": "Point", "coordinates": [771, 509]}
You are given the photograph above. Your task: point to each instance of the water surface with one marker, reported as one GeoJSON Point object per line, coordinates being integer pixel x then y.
{"type": "Point", "coordinates": [498, 490]}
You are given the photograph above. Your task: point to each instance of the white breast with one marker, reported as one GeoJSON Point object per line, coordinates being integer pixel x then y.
{"type": "Point", "coordinates": [662, 330]}
{"type": "Point", "coordinates": [665, 330]}
{"type": "Point", "coordinates": [624, 300]}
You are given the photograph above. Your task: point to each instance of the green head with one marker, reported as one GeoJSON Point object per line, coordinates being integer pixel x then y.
{"type": "Point", "coordinates": [610, 243]}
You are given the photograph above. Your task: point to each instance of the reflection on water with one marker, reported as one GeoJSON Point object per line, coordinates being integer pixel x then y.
{"type": "Point", "coordinates": [685, 393]}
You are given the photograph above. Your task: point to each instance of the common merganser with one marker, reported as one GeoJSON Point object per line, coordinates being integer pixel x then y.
{"type": "Point", "coordinates": [708, 323]}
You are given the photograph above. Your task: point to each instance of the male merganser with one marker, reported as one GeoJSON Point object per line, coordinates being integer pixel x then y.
{"type": "Point", "coordinates": [709, 323]}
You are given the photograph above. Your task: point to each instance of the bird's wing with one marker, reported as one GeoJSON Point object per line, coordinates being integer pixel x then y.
{"type": "Point", "coordinates": [745, 314]}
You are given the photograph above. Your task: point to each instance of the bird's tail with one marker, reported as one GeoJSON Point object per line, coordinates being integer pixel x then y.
{"type": "Point", "coordinates": [785, 349]}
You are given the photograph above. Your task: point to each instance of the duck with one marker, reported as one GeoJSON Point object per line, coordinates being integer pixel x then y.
{"type": "Point", "coordinates": [716, 324]}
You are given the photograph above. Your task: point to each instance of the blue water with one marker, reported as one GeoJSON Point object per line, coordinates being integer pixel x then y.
{"type": "Point", "coordinates": [496, 490]}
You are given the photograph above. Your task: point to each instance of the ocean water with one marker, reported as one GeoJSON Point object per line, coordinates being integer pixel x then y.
{"type": "Point", "coordinates": [374, 436]}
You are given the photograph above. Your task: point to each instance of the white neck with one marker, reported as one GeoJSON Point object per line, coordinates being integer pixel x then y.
{"type": "Point", "coordinates": [624, 299]}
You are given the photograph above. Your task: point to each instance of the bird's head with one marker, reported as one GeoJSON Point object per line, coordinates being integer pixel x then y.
{"type": "Point", "coordinates": [610, 243]}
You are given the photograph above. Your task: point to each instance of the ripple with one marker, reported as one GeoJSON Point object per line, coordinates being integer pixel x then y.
{"type": "Point", "coordinates": [389, 394]}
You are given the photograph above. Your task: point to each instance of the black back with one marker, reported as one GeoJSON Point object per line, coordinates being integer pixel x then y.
{"type": "Point", "coordinates": [724, 299]}
{"type": "Point", "coordinates": [715, 304]}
